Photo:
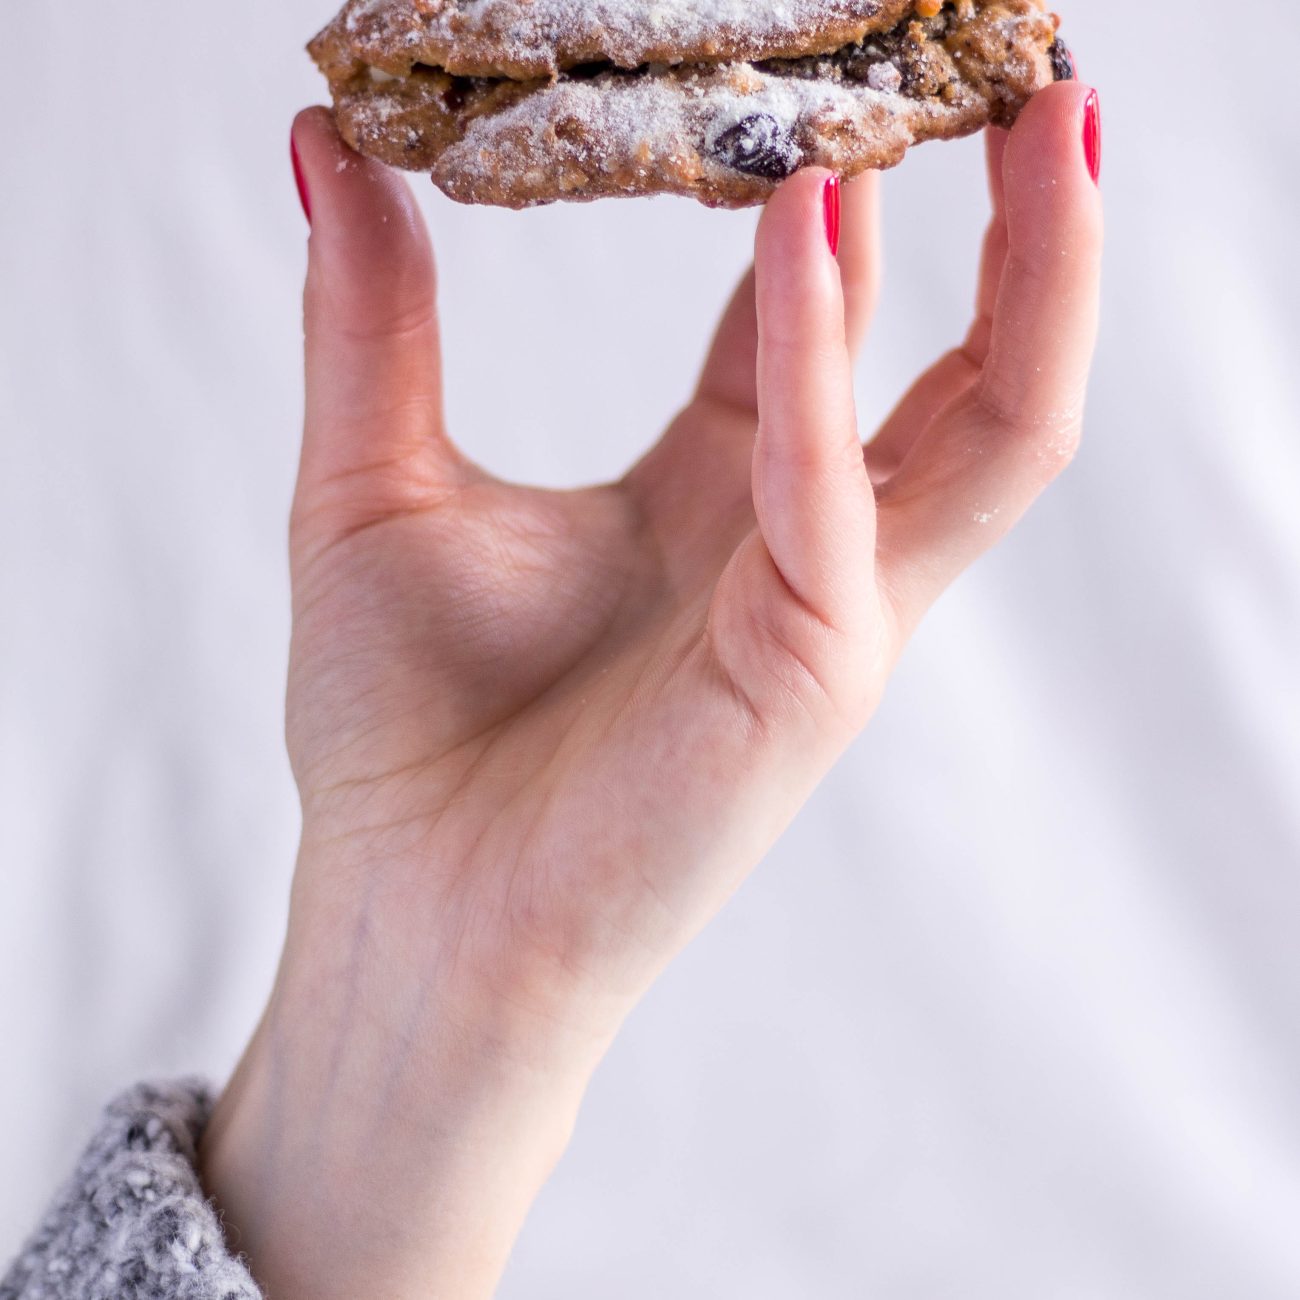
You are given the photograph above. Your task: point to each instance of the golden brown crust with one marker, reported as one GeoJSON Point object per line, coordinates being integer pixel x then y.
{"type": "Point", "coordinates": [724, 133]}
{"type": "Point", "coordinates": [526, 39]}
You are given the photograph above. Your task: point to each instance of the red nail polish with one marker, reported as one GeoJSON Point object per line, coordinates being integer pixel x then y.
{"type": "Point", "coordinates": [831, 208]}
{"type": "Point", "coordinates": [300, 178]}
{"type": "Point", "coordinates": [1092, 135]}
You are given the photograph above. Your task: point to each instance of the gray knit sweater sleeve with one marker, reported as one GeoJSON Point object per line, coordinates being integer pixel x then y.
{"type": "Point", "coordinates": [133, 1223]}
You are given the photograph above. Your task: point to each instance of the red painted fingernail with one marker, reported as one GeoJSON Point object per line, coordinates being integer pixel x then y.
{"type": "Point", "coordinates": [300, 178]}
{"type": "Point", "coordinates": [831, 207]}
{"type": "Point", "coordinates": [1092, 135]}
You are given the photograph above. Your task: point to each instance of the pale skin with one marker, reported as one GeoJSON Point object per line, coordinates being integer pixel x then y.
{"type": "Point", "coordinates": [541, 737]}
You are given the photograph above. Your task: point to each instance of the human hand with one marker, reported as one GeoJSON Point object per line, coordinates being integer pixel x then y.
{"type": "Point", "coordinates": [540, 737]}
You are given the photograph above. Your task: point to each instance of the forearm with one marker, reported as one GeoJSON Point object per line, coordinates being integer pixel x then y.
{"type": "Point", "coordinates": [376, 1139]}
{"type": "Point", "coordinates": [330, 1195]}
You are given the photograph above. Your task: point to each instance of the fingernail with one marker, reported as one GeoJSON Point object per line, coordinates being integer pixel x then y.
{"type": "Point", "coordinates": [831, 208]}
{"type": "Point", "coordinates": [1092, 135]}
{"type": "Point", "coordinates": [300, 179]}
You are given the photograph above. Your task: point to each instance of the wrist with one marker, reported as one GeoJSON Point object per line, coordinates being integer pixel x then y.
{"type": "Point", "coordinates": [348, 1176]}
{"type": "Point", "coordinates": [386, 1134]}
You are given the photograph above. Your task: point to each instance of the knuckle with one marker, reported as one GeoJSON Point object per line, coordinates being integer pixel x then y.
{"type": "Point", "coordinates": [1050, 433]}
{"type": "Point", "coordinates": [810, 669]}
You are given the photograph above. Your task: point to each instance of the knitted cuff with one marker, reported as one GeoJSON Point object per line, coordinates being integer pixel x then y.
{"type": "Point", "coordinates": [134, 1223]}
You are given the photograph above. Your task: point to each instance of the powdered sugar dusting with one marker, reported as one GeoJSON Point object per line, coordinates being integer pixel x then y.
{"type": "Point", "coordinates": [535, 37]}
{"type": "Point", "coordinates": [617, 133]}
{"type": "Point", "coordinates": [725, 130]}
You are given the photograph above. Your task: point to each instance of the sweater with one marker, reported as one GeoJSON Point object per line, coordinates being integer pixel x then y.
{"type": "Point", "coordinates": [133, 1223]}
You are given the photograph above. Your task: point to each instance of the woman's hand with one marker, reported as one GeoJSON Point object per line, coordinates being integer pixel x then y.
{"type": "Point", "coordinates": [540, 737]}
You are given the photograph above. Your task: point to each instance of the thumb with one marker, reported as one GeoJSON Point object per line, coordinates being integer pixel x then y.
{"type": "Point", "coordinates": [795, 617]}
{"type": "Point", "coordinates": [811, 492]}
{"type": "Point", "coordinates": [374, 437]}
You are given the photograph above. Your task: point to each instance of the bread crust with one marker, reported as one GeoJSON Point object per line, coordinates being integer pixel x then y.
{"type": "Point", "coordinates": [526, 39]}
{"type": "Point", "coordinates": [722, 130]}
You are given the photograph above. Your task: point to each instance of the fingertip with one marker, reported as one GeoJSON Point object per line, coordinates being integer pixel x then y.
{"type": "Point", "coordinates": [799, 290]}
{"type": "Point", "coordinates": [373, 376]}
{"type": "Point", "coordinates": [316, 149]}
{"type": "Point", "coordinates": [796, 211]}
{"type": "Point", "coordinates": [1054, 220]}
{"type": "Point", "coordinates": [370, 250]}
{"type": "Point", "coordinates": [1058, 102]}
{"type": "Point", "coordinates": [316, 120]}
{"type": "Point", "coordinates": [1053, 148]}
{"type": "Point", "coordinates": [309, 126]}
{"type": "Point", "coordinates": [349, 197]}
{"type": "Point", "coordinates": [804, 372]}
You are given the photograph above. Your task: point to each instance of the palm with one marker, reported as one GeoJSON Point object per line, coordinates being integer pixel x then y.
{"type": "Point", "coordinates": [457, 617]}
{"type": "Point", "coordinates": [546, 652]}
{"type": "Point", "coordinates": [469, 611]}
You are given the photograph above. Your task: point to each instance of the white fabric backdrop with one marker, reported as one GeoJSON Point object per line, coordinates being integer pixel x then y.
{"type": "Point", "coordinates": [1013, 1011]}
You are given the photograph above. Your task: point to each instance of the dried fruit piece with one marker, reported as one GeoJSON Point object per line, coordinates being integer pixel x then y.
{"type": "Point", "coordinates": [758, 145]}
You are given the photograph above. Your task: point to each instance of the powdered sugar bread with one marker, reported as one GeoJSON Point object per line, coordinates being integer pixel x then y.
{"type": "Point", "coordinates": [521, 102]}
